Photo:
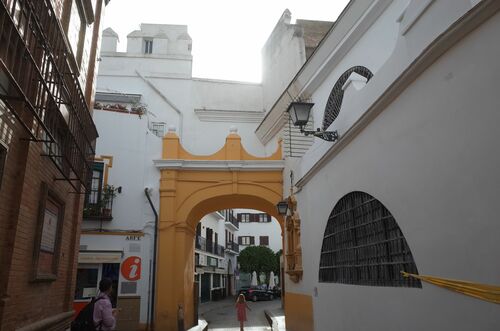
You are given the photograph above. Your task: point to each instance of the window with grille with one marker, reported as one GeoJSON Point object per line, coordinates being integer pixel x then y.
{"type": "Point", "coordinates": [363, 245]}
{"type": "Point", "coordinates": [334, 102]}
{"type": "Point", "coordinates": [158, 128]}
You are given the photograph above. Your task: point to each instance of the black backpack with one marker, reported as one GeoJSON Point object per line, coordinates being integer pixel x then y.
{"type": "Point", "coordinates": [85, 319]}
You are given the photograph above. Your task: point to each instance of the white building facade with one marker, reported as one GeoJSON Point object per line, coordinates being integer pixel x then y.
{"type": "Point", "coordinates": [411, 184]}
{"type": "Point", "coordinates": [140, 94]}
{"type": "Point", "coordinates": [258, 229]}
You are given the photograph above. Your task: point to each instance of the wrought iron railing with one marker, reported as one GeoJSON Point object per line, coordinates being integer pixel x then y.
{"type": "Point", "coordinates": [201, 243]}
{"type": "Point", "coordinates": [43, 91]}
{"type": "Point", "coordinates": [233, 246]}
{"type": "Point", "coordinates": [208, 246]}
{"type": "Point", "coordinates": [229, 217]}
{"type": "Point", "coordinates": [101, 210]}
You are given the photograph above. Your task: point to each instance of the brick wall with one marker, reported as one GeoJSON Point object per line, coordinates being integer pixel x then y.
{"type": "Point", "coordinates": [23, 301]}
{"type": "Point", "coordinates": [29, 301]}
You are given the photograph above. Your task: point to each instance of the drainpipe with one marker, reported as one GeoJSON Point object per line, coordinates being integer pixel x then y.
{"type": "Point", "coordinates": [155, 239]}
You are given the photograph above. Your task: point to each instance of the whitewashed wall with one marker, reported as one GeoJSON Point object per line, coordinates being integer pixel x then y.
{"type": "Point", "coordinates": [428, 157]}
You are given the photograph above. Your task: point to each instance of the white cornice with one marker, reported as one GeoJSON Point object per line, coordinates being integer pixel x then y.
{"type": "Point", "coordinates": [221, 165]}
{"type": "Point", "coordinates": [208, 115]}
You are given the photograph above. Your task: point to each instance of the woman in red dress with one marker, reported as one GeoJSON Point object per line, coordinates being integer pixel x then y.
{"type": "Point", "coordinates": [241, 306]}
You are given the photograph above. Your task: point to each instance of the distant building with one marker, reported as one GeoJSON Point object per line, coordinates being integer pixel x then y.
{"type": "Point", "coordinates": [258, 229]}
{"type": "Point", "coordinates": [47, 137]}
{"type": "Point", "coordinates": [215, 256]}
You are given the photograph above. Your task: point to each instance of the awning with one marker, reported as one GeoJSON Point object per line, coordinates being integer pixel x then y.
{"type": "Point", "coordinates": [100, 257]}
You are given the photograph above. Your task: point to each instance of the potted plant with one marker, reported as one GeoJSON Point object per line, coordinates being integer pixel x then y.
{"type": "Point", "coordinates": [108, 193]}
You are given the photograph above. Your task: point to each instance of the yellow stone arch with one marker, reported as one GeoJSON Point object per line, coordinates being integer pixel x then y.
{"type": "Point", "coordinates": [192, 186]}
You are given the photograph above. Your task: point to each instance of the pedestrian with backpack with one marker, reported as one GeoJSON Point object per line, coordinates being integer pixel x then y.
{"type": "Point", "coordinates": [104, 314]}
{"type": "Point", "coordinates": [98, 314]}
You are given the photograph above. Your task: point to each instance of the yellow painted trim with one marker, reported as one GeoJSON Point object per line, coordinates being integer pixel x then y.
{"type": "Point", "coordinates": [232, 150]}
{"type": "Point", "coordinates": [188, 195]}
{"type": "Point", "coordinates": [107, 165]}
{"type": "Point", "coordinates": [484, 292]}
{"type": "Point", "coordinates": [113, 233]}
{"type": "Point", "coordinates": [298, 312]}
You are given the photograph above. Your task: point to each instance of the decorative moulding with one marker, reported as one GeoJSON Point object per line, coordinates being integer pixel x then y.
{"type": "Point", "coordinates": [218, 165]}
{"type": "Point", "coordinates": [210, 115]}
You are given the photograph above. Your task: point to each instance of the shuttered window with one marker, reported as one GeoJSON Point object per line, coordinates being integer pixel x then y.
{"type": "Point", "coordinates": [264, 240]}
{"type": "Point", "coordinates": [246, 240]}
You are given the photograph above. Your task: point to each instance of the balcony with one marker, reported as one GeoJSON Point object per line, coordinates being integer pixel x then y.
{"type": "Point", "coordinates": [201, 243]}
{"type": "Point", "coordinates": [42, 90]}
{"type": "Point", "coordinates": [208, 246]}
{"type": "Point", "coordinates": [232, 246]}
{"type": "Point", "coordinates": [102, 210]}
{"type": "Point", "coordinates": [230, 219]}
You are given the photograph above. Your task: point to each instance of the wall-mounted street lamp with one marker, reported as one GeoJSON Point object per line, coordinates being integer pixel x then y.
{"type": "Point", "coordinates": [299, 112]}
{"type": "Point", "coordinates": [282, 207]}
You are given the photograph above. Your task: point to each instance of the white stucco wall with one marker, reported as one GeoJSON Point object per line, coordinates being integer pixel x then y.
{"type": "Point", "coordinates": [126, 138]}
{"type": "Point", "coordinates": [282, 56]}
{"type": "Point", "coordinates": [428, 157]}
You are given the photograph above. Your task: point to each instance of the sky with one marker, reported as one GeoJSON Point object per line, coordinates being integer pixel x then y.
{"type": "Point", "coordinates": [228, 35]}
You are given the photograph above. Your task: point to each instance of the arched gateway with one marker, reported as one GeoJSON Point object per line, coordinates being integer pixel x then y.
{"type": "Point", "coordinates": [192, 186]}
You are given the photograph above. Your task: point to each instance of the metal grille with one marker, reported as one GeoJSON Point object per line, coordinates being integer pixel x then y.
{"type": "Point", "coordinates": [44, 93]}
{"type": "Point", "coordinates": [334, 102]}
{"type": "Point", "coordinates": [363, 245]}
{"type": "Point", "coordinates": [158, 128]}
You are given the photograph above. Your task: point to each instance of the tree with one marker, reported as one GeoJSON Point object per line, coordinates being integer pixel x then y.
{"type": "Point", "coordinates": [259, 259]}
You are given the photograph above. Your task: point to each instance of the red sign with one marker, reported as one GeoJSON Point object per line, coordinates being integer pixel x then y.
{"type": "Point", "coordinates": [131, 268]}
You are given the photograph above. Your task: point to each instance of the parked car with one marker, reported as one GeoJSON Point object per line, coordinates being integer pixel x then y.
{"type": "Point", "coordinates": [256, 293]}
{"type": "Point", "coordinates": [276, 291]}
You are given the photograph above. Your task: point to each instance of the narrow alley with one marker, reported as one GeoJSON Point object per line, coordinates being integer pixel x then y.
{"type": "Point", "coordinates": [221, 315]}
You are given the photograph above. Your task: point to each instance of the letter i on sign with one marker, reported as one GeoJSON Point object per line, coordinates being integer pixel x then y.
{"type": "Point", "coordinates": [131, 268]}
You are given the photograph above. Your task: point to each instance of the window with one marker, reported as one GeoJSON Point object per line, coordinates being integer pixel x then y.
{"type": "Point", "coordinates": [244, 218]}
{"type": "Point", "coordinates": [246, 240]}
{"type": "Point", "coordinates": [76, 30]}
{"type": "Point", "coordinates": [94, 195]}
{"type": "Point", "coordinates": [3, 157]}
{"type": "Point", "coordinates": [216, 280]}
{"type": "Point", "coordinates": [334, 102]}
{"type": "Point", "coordinates": [148, 46]}
{"type": "Point", "coordinates": [211, 261]}
{"type": "Point", "coordinates": [264, 240]}
{"type": "Point", "coordinates": [86, 282]}
{"type": "Point", "coordinates": [264, 218]}
{"type": "Point", "coordinates": [47, 243]}
{"type": "Point", "coordinates": [364, 245]}
{"type": "Point", "coordinates": [158, 128]}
